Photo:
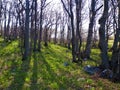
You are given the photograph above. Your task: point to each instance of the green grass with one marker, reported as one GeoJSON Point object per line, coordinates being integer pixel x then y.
{"type": "Point", "coordinates": [46, 70]}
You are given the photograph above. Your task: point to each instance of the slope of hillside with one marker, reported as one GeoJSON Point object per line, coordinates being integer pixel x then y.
{"type": "Point", "coordinates": [50, 69]}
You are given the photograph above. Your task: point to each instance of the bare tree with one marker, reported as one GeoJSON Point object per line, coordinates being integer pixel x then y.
{"type": "Point", "coordinates": [71, 15]}
{"type": "Point", "coordinates": [8, 24]}
{"type": "Point", "coordinates": [43, 5]}
{"type": "Point", "coordinates": [78, 21]}
{"type": "Point", "coordinates": [92, 15]}
{"type": "Point", "coordinates": [48, 21]}
{"type": "Point", "coordinates": [102, 41]}
{"type": "Point", "coordinates": [1, 8]}
{"type": "Point", "coordinates": [62, 29]}
{"type": "Point", "coordinates": [68, 35]}
{"type": "Point", "coordinates": [5, 20]}
{"type": "Point", "coordinates": [116, 45]}
{"type": "Point", "coordinates": [26, 34]}
{"type": "Point", "coordinates": [90, 31]}
{"type": "Point", "coordinates": [35, 32]}
{"type": "Point", "coordinates": [57, 18]}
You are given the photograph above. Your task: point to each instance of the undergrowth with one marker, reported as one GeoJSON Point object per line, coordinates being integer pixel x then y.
{"type": "Point", "coordinates": [49, 69]}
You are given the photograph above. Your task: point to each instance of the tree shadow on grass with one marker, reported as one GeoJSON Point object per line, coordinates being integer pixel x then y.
{"type": "Point", "coordinates": [94, 60]}
{"type": "Point", "coordinates": [7, 49]}
{"type": "Point", "coordinates": [60, 57]}
{"type": "Point", "coordinates": [4, 44]}
{"type": "Point", "coordinates": [20, 76]}
{"type": "Point", "coordinates": [34, 78]}
{"type": "Point", "coordinates": [54, 54]}
{"type": "Point", "coordinates": [56, 81]}
{"type": "Point", "coordinates": [50, 78]}
{"type": "Point", "coordinates": [6, 55]}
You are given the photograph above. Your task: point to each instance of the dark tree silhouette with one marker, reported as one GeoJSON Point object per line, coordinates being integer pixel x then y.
{"type": "Point", "coordinates": [26, 34]}
{"type": "Point", "coordinates": [102, 41]}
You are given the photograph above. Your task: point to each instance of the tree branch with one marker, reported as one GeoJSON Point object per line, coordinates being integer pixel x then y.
{"type": "Point", "coordinates": [66, 8]}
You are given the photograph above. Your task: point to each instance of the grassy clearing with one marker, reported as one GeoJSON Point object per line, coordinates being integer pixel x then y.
{"type": "Point", "coordinates": [47, 70]}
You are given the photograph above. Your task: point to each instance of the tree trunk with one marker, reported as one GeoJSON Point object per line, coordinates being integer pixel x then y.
{"type": "Point", "coordinates": [40, 33]}
{"type": "Point", "coordinates": [15, 29]}
{"type": "Point", "coordinates": [78, 21]}
{"type": "Point", "coordinates": [90, 31]}
{"type": "Point", "coordinates": [35, 32]}
{"type": "Point", "coordinates": [56, 27]}
{"type": "Point", "coordinates": [102, 41]}
{"type": "Point", "coordinates": [73, 33]}
{"type": "Point", "coordinates": [46, 36]}
{"type": "Point", "coordinates": [115, 44]}
{"type": "Point", "coordinates": [5, 31]}
{"type": "Point", "coordinates": [26, 34]}
{"type": "Point", "coordinates": [8, 25]}
{"type": "Point", "coordinates": [68, 36]}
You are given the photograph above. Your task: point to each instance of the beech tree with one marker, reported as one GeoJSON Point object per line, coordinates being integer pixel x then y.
{"type": "Point", "coordinates": [78, 21]}
{"type": "Point", "coordinates": [35, 32]}
{"type": "Point", "coordinates": [43, 5]}
{"type": "Point", "coordinates": [48, 23]}
{"type": "Point", "coordinates": [62, 29]}
{"type": "Point", "coordinates": [5, 20]}
{"type": "Point", "coordinates": [93, 11]}
{"type": "Point", "coordinates": [26, 33]}
{"type": "Point", "coordinates": [102, 40]}
{"type": "Point", "coordinates": [71, 15]}
{"type": "Point", "coordinates": [116, 44]}
{"type": "Point", "coordinates": [90, 31]}
{"type": "Point", "coordinates": [1, 8]}
{"type": "Point", "coordinates": [57, 18]}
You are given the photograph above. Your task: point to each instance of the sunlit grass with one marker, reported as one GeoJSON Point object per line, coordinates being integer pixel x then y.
{"type": "Point", "coordinates": [47, 70]}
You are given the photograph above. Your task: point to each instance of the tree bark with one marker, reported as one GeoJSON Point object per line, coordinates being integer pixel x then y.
{"type": "Point", "coordinates": [78, 35]}
{"type": "Point", "coordinates": [68, 36]}
{"type": "Point", "coordinates": [73, 33]}
{"type": "Point", "coordinates": [40, 33]}
{"type": "Point", "coordinates": [46, 36]}
{"type": "Point", "coordinates": [5, 31]}
{"type": "Point", "coordinates": [26, 34]}
{"type": "Point", "coordinates": [35, 32]}
{"type": "Point", "coordinates": [90, 31]}
{"type": "Point", "coordinates": [56, 27]}
{"type": "Point", "coordinates": [115, 52]}
{"type": "Point", "coordinates": [102, 41]}
{"type": "Point", "coordinates": [8, 24]}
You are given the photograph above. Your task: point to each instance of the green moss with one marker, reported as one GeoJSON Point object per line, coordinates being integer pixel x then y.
{"type": "Point", "coordinates": [45, 70]}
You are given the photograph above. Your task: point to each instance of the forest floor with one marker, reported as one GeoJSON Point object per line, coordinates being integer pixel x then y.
{"type": "Point", "coordinates": [49, 69]}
